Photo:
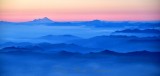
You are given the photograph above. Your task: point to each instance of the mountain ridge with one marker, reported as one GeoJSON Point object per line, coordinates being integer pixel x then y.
{"type": "Point", "coordinates": [42, 20]}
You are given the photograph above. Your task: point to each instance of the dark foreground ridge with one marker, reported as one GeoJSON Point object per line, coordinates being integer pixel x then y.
{"type": "Point", "coordinates": [135, 56]}
{"type": "Point", "coordinates": [38, 50]}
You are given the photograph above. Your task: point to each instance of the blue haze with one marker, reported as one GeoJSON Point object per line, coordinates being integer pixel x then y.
{"type": "Point", "coordinates": [43, 47]}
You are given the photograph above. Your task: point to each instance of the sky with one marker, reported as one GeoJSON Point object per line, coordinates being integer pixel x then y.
{"type": "Point", "coordinates": [80, 10]}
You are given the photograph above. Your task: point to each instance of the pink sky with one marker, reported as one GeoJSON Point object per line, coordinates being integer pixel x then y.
{"type": "Point", "coordinates": [78, 10]}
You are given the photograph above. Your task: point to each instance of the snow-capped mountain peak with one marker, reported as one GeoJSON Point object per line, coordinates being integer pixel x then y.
{"type": "Point", "coordinates": [43, 20]}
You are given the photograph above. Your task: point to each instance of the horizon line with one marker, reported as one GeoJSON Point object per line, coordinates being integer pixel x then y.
{"type": "Point", "coordinates": [85, 20]}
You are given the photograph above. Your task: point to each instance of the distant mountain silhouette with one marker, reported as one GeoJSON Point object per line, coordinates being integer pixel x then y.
{"type": "Point", "coordinates": [154, 31]}
{"type": "Point", "coordinates": [108, 52]}
{"type": "Point", "coordinates": [19, 50]}
{"type": "Point", "coordinates": [74, 43]}
{"type": "Point", "coordinates": [93, 23]}
{"type": "Point", "coordinates": [14, 44]}
{"type": "Point", "coordinates": [120, 43]}
{"type": "Point", "coordinates": [48, 47]}
{"type": "Point", "coordinates": [68, 54]}
{"type": "Point", "coordinates": [69, 37]}
{"type": "Point", "coordinates": [155, 39]}
{"type": "Point", "coordinates": [42, 20]}
{"type": "Point", "coordinates": [143, 53]}
{"type": "Point", "coordinates": [63, 53]}
{"type": "Point", "coordinates": [59, 38]}
{"type": "Point", "coordinates": [101, 41]}
{"type": "Point", "coordinates": [63, 46]}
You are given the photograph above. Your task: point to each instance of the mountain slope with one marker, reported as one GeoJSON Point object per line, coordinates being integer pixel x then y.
{"type": "Point", "coordinates": [59, 38]}
{"type": "Point", "coordinates": [42, 20]}
{"type": "Point", "coordinates": [120, 43]}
